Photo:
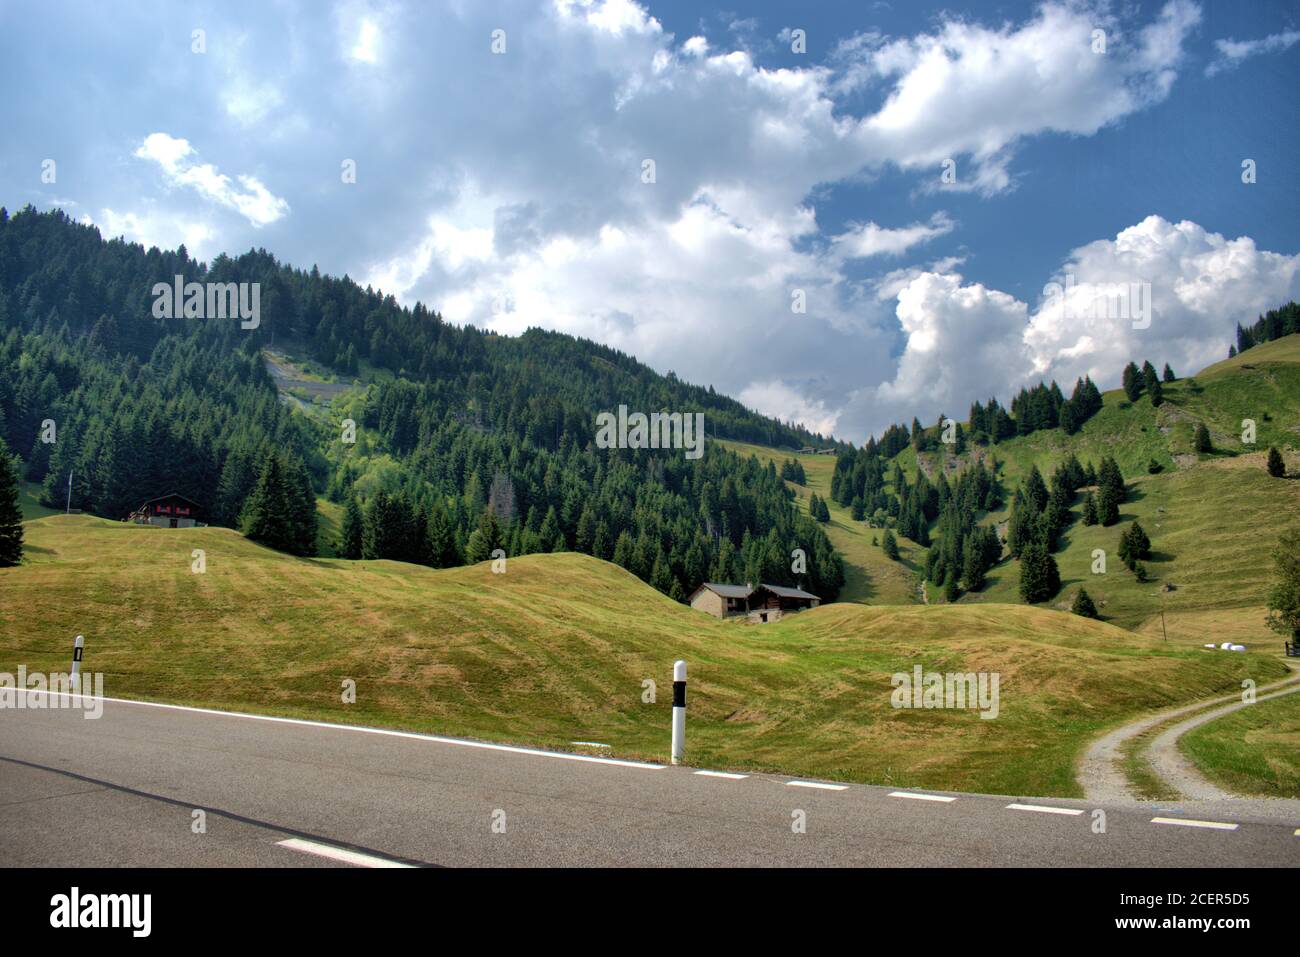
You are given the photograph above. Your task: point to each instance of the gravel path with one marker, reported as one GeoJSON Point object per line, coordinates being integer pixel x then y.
{"type": "Point", "coordinates": [1174, 767]}
{"type": "Point", "coordinates": [1102, 778]}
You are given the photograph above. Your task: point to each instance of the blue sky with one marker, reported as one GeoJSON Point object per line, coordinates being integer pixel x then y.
{"type": "Point", "coordinates": [506, 188]}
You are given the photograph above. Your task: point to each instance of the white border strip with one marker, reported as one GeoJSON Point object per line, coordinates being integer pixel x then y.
{"type": "Point", "coordinates": [1188, 822]}
{"type": "Point", "coordinates": [361, 729]}
{"type": "Point", "coordinates": [1045, 809]}
{"type": "Point", "coordinates": [918, 796]}
{"type": "Point", "coordinates": [723, 774]}
{"type": "Point", "coordinates": [355, 858]}
{"type": "Point", "coordinates": [816, 784]}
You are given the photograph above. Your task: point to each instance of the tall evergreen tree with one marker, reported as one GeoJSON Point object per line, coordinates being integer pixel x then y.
{"type": "Point", "coordinates": [1040, 579]}
{"type": "Point", "coordinates": [352, 534]}
{"type": "Point", "coordinates": [268, 516]}
{"type": "Point", "coordinates": [1276, 466]}
{"type": "Point", "coordinates": [11, 516]}
{"type": "Point", "coordinates": [1202, 442]}
{"type": "Point", "coordinates": [1083, 605]}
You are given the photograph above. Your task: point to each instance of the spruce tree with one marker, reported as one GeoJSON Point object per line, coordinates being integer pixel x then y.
{"type": "Point", "coordinates": [1203, 443]}
{"type": "Point", "coordinates": [1276, 467]}
{"type": "Point", "coordinates": [1089, 509]}
{"type": "Point", "coordinates": [1083, 605]}
{"type": "Point", "coordinates": [890, 545]}
{"type": "Point", "coordinates": [1132, 381]}
{"type": "Point", "coordinates": [973, 568]}
{"type": "Point", "coordinates": [11, 515]}
{"type": "Point", "coordinates": [352, 533]}
{"type": "Point", "coordinates": [1107, 506]}
{"type": "Point", "coordinates": [486, 538]}
{"type": "Point", "coordinates": [268, 514]}
{"type": "Point", "coordinates": [1040, 579]}
{"type": "Point", "coordinates": [1168, 373]}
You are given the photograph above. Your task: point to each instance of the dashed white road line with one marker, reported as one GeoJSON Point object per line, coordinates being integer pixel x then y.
{"type": "Point", "coordinates": [361, 729]}
{"type": "Point", "coordinates": [730, 776]}
{"type": "Point", "coordinates": [356, 858]}
{"type": "Point", "coordinates": [1045, 809]}
{"type": "Point", "coordinates": [918, 796]}
{"type": "Point", "coordinates": [1188, 822]}
{"type": "Point", "coordinates": [817, 784]}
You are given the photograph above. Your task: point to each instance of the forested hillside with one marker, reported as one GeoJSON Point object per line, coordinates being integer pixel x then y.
{"type": "Point", "coordinates": [487, 440]}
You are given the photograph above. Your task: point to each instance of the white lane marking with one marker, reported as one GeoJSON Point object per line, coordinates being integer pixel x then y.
{"type": "Point", "coordinates": [1188, 822]}
{"type": "Point", "coordinates": [355, 858]}
{"type": "Point", "coordinates": [817, 784]}
{"type": "Point", "coordinates": [723, 774]}
{"type": "Point", "coordinates": [917, 796]}
{"type": "Point", "coordinates": [1045, 809]}
{"type": "Point", "coordinates": [359, 729]}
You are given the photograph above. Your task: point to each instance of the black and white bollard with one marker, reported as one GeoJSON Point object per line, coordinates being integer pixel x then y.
{"type": "Point", "coordinates": [77, 647]}
{"type": "Point", "coordinates": [679, 711]}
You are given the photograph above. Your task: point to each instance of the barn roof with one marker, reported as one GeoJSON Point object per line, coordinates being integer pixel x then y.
{"type": "Point", "coordinates": [728, 591]}
{"type": "Point", "coordinates": [784, 592]}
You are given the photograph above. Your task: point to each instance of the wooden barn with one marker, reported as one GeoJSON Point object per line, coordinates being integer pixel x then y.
{"type": "Point", "coordinates": [169, 511]}
{"type": "Point", "coordinates": [762, 604]}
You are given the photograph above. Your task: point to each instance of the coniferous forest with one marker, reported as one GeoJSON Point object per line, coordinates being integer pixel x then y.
{"type": "Point", "coordinates": [486, 441]}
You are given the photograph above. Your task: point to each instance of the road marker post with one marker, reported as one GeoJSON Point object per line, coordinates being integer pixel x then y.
{"type": "Point", "coordinates": [78, 647]}
{"type": "Point", "coordinates": [679, 711]}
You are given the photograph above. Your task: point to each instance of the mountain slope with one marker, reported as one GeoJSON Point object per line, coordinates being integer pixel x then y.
{"type": "Point", "coordinates": [557, 650]}
{"type": "Point", "coordinates": [1212, 518]}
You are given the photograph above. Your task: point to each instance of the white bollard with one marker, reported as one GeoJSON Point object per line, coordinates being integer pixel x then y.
{"type": "Point", "coordinates": [77, 647]}
{"type": "Point", "coordinates": [679, 711]}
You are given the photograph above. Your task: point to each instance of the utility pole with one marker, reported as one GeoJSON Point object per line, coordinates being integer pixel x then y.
{"type": "Point", "coordinates": [68, 509]}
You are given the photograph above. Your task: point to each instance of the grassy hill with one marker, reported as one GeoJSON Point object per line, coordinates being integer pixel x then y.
{"type": "Point", "coordinates": [1212, 518]}
{"type": "Point", "coordinates": [868, 575]}
{"type": "Point", "coordinates": [557, 649]}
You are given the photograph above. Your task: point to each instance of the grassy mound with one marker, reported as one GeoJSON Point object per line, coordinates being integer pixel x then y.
{"type": "Point", "coordinates": [558, 649]}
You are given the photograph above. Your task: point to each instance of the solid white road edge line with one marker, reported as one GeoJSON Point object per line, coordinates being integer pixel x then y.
{"type": "Point", "coordinates": [1188, 822]}
{"type": "Point", "coordinates": [817, 784]}
{"type": "Point", "coordinates": [360, 729]}
{"type": "Point", "coordinates": [917, 796]}
{"type": "Point", "coordinates": [723, 774]}
{"type": "Point", "coordinates": [1045, 809]}
{"type": "Point", "coordinates": [338, 853]}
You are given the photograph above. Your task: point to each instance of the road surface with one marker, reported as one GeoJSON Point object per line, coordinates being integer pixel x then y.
{"type": "Point", "coordinates": [123, 791]}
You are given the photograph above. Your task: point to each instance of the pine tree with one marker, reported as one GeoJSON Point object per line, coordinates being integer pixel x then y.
{"type": "Point", "coordinates": [352, 534]}
{"type": "Point", "coordinates": [11, 516]}
{"type": "Point", "coordinates": [1156, 392]}
{"type": "Point", "coordinates": [890, 545]}
{"type": "Point", "coordinates": [973, 568]}
{"type": "Point", "coordinates": [951, 591]}
{"type": "Point", "coordinates": [1040, 579]}
{"type": "Point", "coordinates": [268, 514]}
{"type": "Point", "coordinates": [1203, 443]}
{"type": "Point", "coordinates": [1132, 381]}
{"type": "Point", "coordinates": [485, 539]}
{"type": "Point", "coordinates": [1107, 506]}
{"type": "Point", "coordinates": [1149, 375]}
{"type": "Point", "coordinates": [441, 538]}
{"type": "Point", "coordinates": [1276, 467]}
{"type": "Point", "coordinates": [1168, 373]}
{"type": "Point", "coordinates": [1083, 605]}
{"type": "Point", "coordinates": [1089, 509]}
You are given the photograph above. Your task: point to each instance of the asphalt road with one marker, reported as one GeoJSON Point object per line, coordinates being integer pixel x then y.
{"type": "Point", "coordinates": [122, 791]}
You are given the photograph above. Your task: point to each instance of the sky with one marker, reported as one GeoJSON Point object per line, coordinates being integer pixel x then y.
{"type": "Point", "coordinates": [844, 215]}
